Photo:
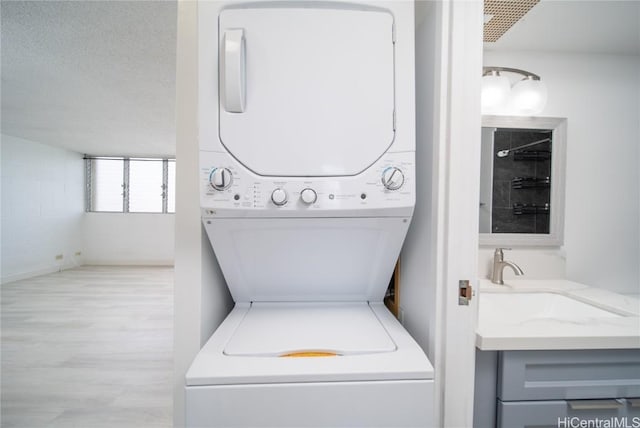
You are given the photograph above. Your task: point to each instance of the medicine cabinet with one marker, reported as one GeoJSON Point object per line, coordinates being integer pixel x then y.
{"type": "Point", "coordinates": [522, 181]}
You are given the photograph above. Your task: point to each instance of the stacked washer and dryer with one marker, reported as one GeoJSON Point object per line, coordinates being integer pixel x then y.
{"type": "Point", "coordinates": [307, 142]}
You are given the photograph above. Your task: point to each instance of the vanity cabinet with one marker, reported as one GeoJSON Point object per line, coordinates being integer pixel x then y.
{"type": "Point", "coordinates": [542, 388]}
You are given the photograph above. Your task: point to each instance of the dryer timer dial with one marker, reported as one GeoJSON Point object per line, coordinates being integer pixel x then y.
{"type": "Point", "coordinates": [392, 178]}
{"type": "Point", "coordinates": [220, 178]}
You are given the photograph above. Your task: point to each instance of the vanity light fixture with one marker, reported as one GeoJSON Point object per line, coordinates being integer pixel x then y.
{"type": "Point", "coordinates": [527, 97]}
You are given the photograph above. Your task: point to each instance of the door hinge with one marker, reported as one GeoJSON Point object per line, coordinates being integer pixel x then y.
{"type": "Point", "coordinates": [394, 121]}
{"type": "Point", "coordinates": [393, 33]}
{"type": "Point", "coordinates": [465, 292]}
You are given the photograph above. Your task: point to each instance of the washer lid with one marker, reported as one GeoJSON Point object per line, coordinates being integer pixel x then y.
{"type": "Point", "coordinates": [306, 91]}
{"type": "Point", "coordinates": [278, 329]}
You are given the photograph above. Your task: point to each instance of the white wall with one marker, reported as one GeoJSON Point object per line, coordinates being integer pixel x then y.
{"type": "Point", "coordinates": [418, 275]}
{"type": "Point", "coordinates": [128, 239]}
{"type": "Point", "coordinates": [42, 208]}
{"type": "Point", "coordinates": [201, 297]}
{"type": "Point", "coordinates": [43, 216]}
{"type": "Point", "coordinates": [599, 95]}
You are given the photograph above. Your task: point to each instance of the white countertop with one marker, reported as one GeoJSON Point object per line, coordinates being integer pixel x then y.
{"type": "Point", "coordinates": [497, 331]}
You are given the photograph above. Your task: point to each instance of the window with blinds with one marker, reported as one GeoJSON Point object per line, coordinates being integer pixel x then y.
{"type": "Point", "coordinates": [130, 185]}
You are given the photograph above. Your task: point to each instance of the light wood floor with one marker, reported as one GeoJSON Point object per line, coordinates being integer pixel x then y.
{"type": "Point", "coordinates": [88, 347]}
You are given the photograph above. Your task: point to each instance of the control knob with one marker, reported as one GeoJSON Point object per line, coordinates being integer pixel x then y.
{"type": "Point", "coordinates": [279, 196]}
{"type": "Point", "coordinates": [220, 178]}
{"type": "Point", "coordinates": [308, 196]}
{"type": "Point", "coordinates": [392, 178]}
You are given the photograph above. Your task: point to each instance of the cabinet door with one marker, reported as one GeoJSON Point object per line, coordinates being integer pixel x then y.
{"type": "Point", "coordinates": [306, 91]}
{"type": "Point", "coordinates": [554, 414]}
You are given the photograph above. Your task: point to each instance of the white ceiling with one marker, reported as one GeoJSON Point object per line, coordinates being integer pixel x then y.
{"type": "Point", "coordinates": [96, 77]}
{"type": "Point", "coordinates": [584, 26]}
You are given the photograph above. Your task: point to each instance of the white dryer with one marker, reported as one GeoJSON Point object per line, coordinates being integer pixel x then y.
{"type": "Point", "coordinates": [307, 190]}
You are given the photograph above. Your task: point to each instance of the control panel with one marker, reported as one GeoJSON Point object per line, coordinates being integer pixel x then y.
{"type": "Point", "coordinates": [228, 185]}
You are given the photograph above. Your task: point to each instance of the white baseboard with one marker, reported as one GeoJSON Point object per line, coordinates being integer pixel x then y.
{"type": "Point", "coordinates": [44, 270]}
{"type": "Point", "coordinates": [128, 262]}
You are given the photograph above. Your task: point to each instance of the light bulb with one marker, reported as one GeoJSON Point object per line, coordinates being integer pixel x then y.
{"type": "Point", "coordinates": [528, 97]}
{"type": "Point", "coordinates": [495, 90]}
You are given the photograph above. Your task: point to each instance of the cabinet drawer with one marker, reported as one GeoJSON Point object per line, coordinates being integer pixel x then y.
{"type": "Point", "coordinates": [559, 375]}
{"type": "Point", "coordinates": [554, 414]}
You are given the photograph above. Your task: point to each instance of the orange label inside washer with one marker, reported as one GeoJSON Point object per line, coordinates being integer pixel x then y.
{"type": "Point", "coordinates": [305, 354]}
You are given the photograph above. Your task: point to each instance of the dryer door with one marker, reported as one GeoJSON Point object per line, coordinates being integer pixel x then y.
{"type": "Point", "coordinates": [306, 91]}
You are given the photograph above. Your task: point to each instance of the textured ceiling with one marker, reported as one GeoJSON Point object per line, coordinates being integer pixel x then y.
{"type": "Point", "coordinates": [503, 14]}
{"type": "Point", "coordinates": [96, 77]}
{"type": "Point", "coordinates": [587, 26]}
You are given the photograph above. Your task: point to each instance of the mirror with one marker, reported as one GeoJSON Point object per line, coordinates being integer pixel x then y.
{"type": "Point", "coordinates": [522, 181]}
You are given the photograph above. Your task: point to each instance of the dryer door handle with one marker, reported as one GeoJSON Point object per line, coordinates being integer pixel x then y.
{"type": "Point", "coordinates": [233, 81]}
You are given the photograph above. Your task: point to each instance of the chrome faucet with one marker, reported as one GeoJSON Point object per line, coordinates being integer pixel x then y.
{"type": "Point", "coordinates": [499, 264]}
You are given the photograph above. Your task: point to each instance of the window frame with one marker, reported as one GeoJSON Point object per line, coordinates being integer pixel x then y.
{"type": "Point", "coordinates": [126, 183]}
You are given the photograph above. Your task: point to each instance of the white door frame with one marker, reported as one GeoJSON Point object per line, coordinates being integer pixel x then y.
{"type": "Point", "coordinates": [460, 124]}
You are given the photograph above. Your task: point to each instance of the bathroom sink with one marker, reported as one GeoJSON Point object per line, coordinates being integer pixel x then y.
{"type": "Point", "coordinates": [519, 307]}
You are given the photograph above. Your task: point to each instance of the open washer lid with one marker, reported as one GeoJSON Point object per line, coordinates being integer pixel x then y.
{"type": "Point", "coordinates": [212, 366]}
{"type": "Point", "coordinates": [278, 329]}
{"type": "Point", "coordinates": [306, 91]}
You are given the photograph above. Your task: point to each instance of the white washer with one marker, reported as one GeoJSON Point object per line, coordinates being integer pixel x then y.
{"type": "Point", "coordinates": [307, 191]}
{"type": "Point", "coordinates": [381, 378]}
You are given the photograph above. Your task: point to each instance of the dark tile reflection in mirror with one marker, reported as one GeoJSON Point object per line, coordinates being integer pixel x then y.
{"type": "Point", "coordinates": [531, 169]}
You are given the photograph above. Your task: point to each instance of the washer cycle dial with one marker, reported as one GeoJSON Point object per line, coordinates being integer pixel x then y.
{"type": "Point", "coordinates": [220, 178]}
{"type": "Point", "coordinates": [279, 197]}
{"type": "Point", "coordinates": [392, 178]}
{"type": "Point", "coordinates": [308, 196]}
